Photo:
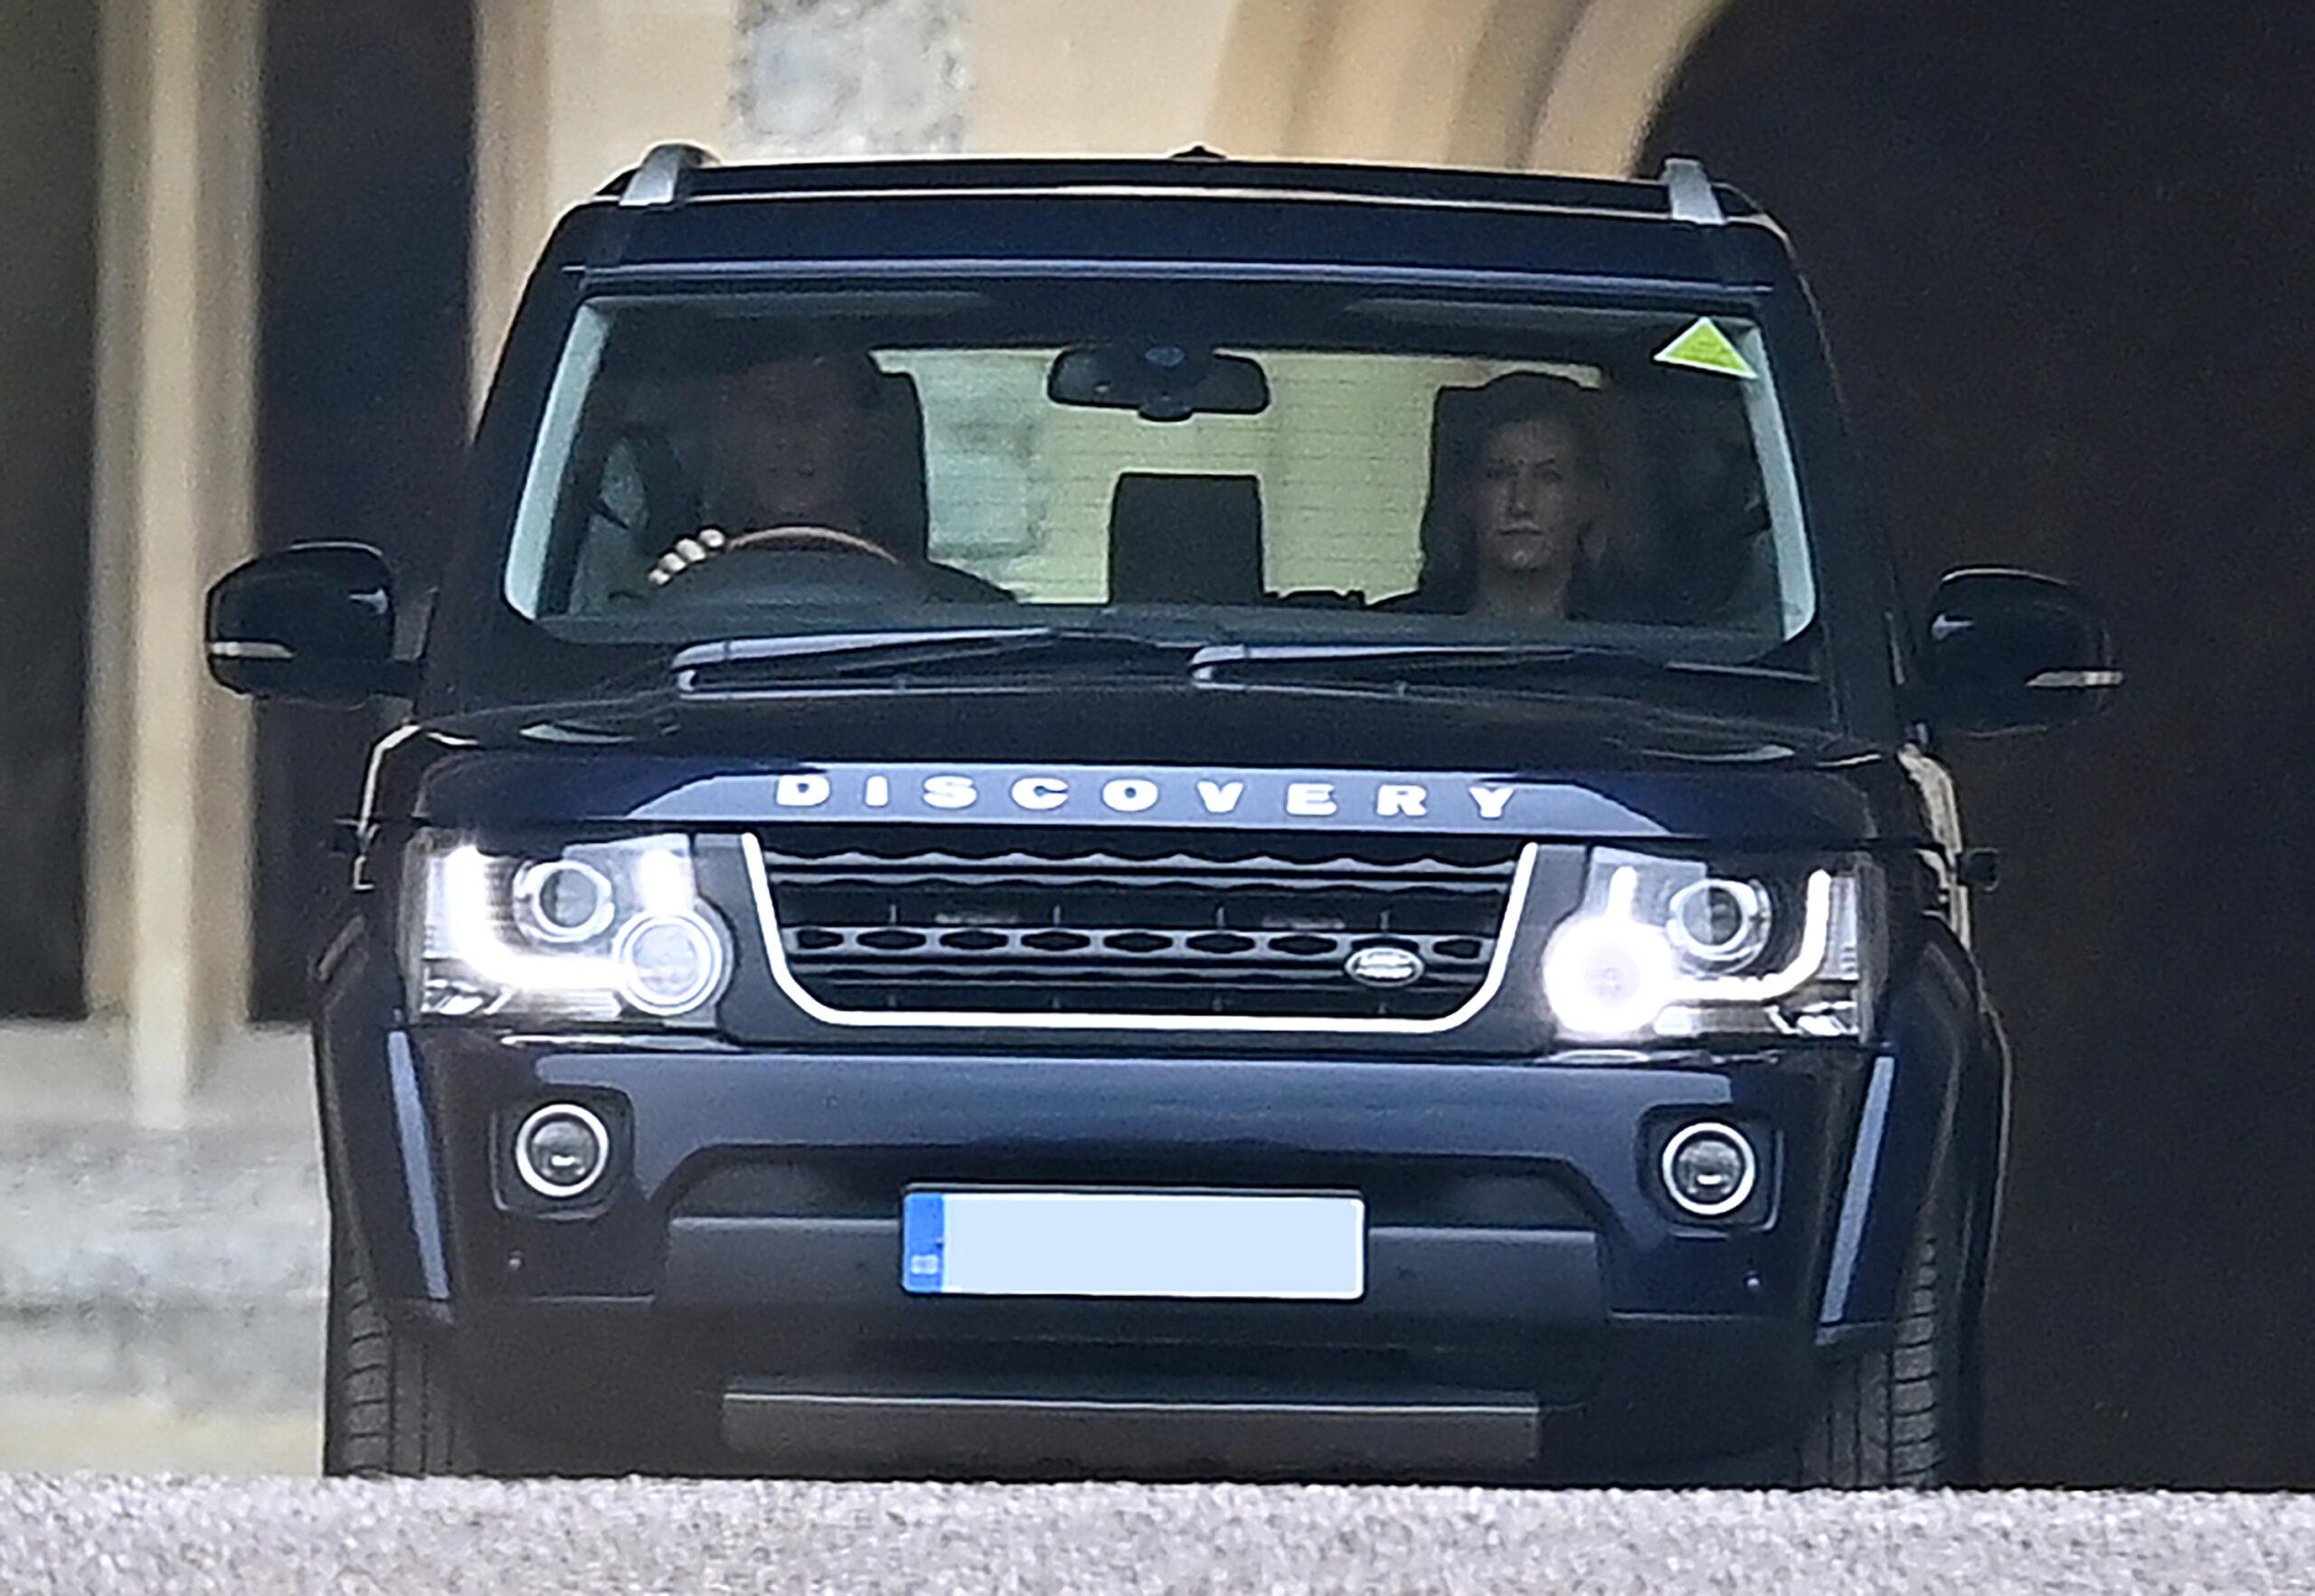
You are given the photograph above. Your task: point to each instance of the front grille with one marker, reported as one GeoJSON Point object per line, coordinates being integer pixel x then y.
{"type": "Point", "coordinates": [1157, 924]}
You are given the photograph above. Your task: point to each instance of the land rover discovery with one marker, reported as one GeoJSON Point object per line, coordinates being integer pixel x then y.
{"type": "Point", "coordinates": [1162, 818]}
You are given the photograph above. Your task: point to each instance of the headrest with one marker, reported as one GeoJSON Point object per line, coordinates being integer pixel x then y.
{"type": "Point", "coordinates": [893, 474]}
{"type": "Point", "coordinates": [1183, 538]}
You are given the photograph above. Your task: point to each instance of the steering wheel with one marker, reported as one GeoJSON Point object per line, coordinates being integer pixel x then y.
{"type": "Point", "coordinates": [702, 548]}
{"type": "Point", "coordinates": [920, 581]}
{"type": "Point", "coordinates": [814, 537]}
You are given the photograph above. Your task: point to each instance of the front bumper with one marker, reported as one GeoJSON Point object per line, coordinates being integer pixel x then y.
{"type": "Point", "coordinates": [734, 1291]}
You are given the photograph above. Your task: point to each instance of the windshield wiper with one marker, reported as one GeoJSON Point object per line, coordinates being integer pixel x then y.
{"type": "Point", "coordinates": [742, 664]}
{"type": "Point", "coordinates": [1403, 662]}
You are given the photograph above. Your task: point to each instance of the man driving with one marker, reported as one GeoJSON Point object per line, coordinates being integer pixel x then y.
{"type": "Point", "coordinates": [793, 440]}
{"type": "Point", "coordinates": [785, 437]}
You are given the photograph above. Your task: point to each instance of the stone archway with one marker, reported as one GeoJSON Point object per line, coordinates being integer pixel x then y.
{"type": "Point", "coordinates": [1561, 85]}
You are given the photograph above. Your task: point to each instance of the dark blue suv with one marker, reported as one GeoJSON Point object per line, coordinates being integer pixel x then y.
{"type": "Point", "coordinates": [1169, 816]}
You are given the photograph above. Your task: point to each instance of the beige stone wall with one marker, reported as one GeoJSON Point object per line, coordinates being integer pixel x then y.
{"type": "Point", "coordinates": [1100, 77]}
{"type": "Point", "coordinates": [569, 92]}
{"type": "Point", "coordinates": [572, 91]}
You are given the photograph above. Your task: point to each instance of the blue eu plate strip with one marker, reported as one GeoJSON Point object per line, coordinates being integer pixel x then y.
{"type": "Point", "coordinates": [1256, 1246]}
{"type": "Point", "coordinates": [923, 1251]}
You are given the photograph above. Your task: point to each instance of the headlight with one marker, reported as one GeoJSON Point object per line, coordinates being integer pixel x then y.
{"type": "Point", "coordinates": [596, 931]}
{"type": "Point", "coordinates": [1672, 948]}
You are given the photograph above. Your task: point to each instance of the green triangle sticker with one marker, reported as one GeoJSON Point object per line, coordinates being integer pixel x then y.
{"type": "Point", "coordinates": [1704, 347]}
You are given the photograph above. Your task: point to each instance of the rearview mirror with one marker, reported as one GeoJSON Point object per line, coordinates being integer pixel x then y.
{"type": "Point", "coordinates": [1159, 381]}
{"type": "Point", "coordinates": [2010, 651]}
{"type": "Point", "coordinates": [313, 623]}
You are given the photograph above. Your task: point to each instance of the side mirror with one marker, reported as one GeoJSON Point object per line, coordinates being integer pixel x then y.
{"type": "Point", "coordinates": [2010, 651]}
{"type": "Point", "coordinates": [314, 623]}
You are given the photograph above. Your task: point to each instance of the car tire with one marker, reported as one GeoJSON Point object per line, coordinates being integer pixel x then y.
{"type": "Point", "coordinates": [1895, 1415]}
{"type": "Point", "coordinates": [390, 1406]}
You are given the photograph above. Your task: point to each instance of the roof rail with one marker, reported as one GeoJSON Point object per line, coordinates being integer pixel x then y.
{"type": "Point", "coordinates": [660, 178]}
{"type": "Point", "coordinates": [1692, 196]}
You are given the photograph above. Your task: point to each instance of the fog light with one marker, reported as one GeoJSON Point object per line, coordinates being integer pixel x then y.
{"type": "Point", "coordinates": [1709, 1169]}
{"type": "Point", "coordinates": [561, 1150]}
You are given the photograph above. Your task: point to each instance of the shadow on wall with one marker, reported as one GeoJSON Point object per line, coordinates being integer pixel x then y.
{"type": "Point", "coordinates": [2060, 253]}
{"type": "Point", "coordinates": [48, 103]}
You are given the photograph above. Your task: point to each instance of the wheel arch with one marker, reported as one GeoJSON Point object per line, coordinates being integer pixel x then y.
{"type": "Point", "coordinates": [1934, 1108]}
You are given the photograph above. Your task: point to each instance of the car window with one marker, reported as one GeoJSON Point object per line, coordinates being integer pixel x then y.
{"type": "Point", "coordinates": [1285, 466]}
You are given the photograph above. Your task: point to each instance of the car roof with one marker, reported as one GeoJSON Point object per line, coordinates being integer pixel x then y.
{"type": "Point", "coordinates": [679, 210]}
{"type": "Point", "coordinates": [1193, 171]}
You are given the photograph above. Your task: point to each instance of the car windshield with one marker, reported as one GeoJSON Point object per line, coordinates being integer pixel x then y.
{"type": "Point", "coordinates": [1372, 482]}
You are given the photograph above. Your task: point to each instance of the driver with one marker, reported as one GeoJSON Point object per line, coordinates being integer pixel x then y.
{"type": "Point", "coordinates": [786, 437]}
{"type": "Point", "coordinates": [794, 441]}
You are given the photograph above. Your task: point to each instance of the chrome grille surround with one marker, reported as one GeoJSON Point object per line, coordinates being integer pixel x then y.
{"type": "Point", "coordinates": [1091, 939]}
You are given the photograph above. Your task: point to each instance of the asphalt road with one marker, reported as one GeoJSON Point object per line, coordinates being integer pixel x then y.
{"type": "Point", "coordinates": [98, 1533]}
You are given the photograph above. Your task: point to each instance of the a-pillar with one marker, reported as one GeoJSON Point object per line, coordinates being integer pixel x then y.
{"type": "Point", "coordinates": [169, 788]}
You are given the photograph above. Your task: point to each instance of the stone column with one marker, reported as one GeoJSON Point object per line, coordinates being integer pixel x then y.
{"type": "Point", "coordinates": [169, 799]}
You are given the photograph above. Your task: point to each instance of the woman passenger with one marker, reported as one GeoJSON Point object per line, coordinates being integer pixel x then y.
{"type": "Point", "coordinates": [1520, 521]}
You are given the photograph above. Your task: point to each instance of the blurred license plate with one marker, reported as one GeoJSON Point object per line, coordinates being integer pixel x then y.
{"type": "Point", "coordinates": [1048, 1244]}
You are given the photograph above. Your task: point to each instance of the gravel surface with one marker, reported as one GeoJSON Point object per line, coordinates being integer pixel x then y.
{"type": "Point", "coordinates": [96, 1533]}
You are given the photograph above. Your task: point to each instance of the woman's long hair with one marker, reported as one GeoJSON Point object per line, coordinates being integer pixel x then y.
{"type": "Point", "coordinates": [1449, 580]}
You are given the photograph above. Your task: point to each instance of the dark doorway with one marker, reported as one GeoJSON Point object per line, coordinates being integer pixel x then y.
{"type": "Point", "coordinates": [363, 376]}
{"type": "Point", "coordinates": [48, 263]}
{"type": "Point", "coordinates": [2061, 250]}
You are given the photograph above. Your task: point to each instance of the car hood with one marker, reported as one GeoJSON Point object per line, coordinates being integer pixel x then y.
{"type": "Point", "coordinates": [1575, 767]}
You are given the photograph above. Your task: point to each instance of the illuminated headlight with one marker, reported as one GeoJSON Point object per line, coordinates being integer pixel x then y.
{"type": "Point", "coordinates": [593, 932]}
{"type": "Point", "coordinates": [562, 900]}
{"type": "Point", "coordinates": [1671, 947]}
